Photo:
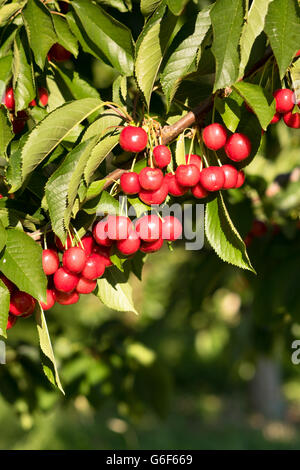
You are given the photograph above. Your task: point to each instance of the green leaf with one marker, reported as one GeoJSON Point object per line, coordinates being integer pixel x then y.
{"type": "Point", "coordinates": [6, 133]}
{"type": "Point", "coordinates": [94, 189]}
{"type": "Point", "coordinates": [4, 308]}
{"type": "Point", "coordinates": [107, 34]}
{"type": "Point", "coordinates": [259, 99]}
{"type": "Point", "coordinates": [103, 204]}
{"type": "Point", "coordinates": [180, 150]}
{"type": "Point", "coordinates": [40, 30]}
{"type": "Point", "coordinates": [227, 19]}
{"type": "Point", "coordinates": [138, 206]}
{"type": "Point", "coordinates": [64, 35]}
{"type": "Point", "coordinates": [61, 188]}
{"type": "Point", "coordinates": [115, 291]}
{"type": "Point", "coordinates": [9, 10]}
{"type": "Point", "coordinates": [295, 76]}
{"type": "Point", "coordinates": [24, 86]}
{"type": "Point", "coordinates": [223, 236]}
{"type": "Point", "coordinates": [122, 5]}
{"type": "Point", "coordinates": [184, 48]}
{"type": "Point", "coordinates": [177, 6]}
{"type": "Point", "coordinates": [3, 236]}
{"type": "Point", "coordinates": [106, 129]}
{"type": "Point", "coordinates": [52, 130]}
{"type": "Point", "coordinates": [150, 48]}
{"type": "Point", "coordinates": [77, 86]}
{"type": "Point", "coordinates": [149, 6]}
{"type": "Point", "coordinates": [283, 30]}
{"type": "Point", "coordinates": [48, 359]}
{"type": "Point", "coordinates": [230, 110]}
{"type": "Point", "coordinates": [250, 126]}
{"type": "Point", "coordinates": [5, 72]}
{"type": "Point", "coordinates": [252, 28]}
{"type": "Point", "coordinates": [22, 264]}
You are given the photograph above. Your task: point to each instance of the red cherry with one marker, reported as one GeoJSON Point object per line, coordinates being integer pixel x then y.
{"type": "Point", "coordinates": [212, 178]}
{"type": "Point", "coordinates": [18, 125]}
{"type": "Point", "coordinates": [298, 53]}
{"type": "Point", "coordinates": [9, 99]}
{"type": "Point", "coordinates": [85, 286]}
{"type": "Point", "coordinates": [11, 321]}
{"type": "Point", "coordinates": [214, 136]}
{"type": "Point", "coordinates": [32, 103]}
{"type": "Point", "coordinates": [59, 244]}
{"type": "Point", "coordinates": [258, 229]}
{"type": "Point", "coordinates": [94, 267]}
{"type": "Point", "coordinates": [58, 53]}
{"type": "Point", "coordinates": [66, 298]}
{"type": "Point", "coordinates": [88, 244]}
{"type": "Point", "coordinates": [74, 259]}
{"type": "Point", "coordinates": [240, 179]}
{"type": "Point", "coordinates": [275, 118]}
{"type": "Point", "coordinates": [130, 245]}
{"type": "Point", "coordinates": [10, 285]}
{"type": "Point", "coordinates": [50, 300]}
{"type": "Point", "coordinates": [129, 183]}
{"type": "Point", "coordinates": [151, 178]}
{"type": "Point", "coordinates": [104, 253]}
{"type": "Point", "coordinates": [100, 233]}
{"type": "Point", "coordinates": [118, 227]}
{"type": "Point", "coordinates": [64, 280]}
{"type": "Point", "coordinates": [21, 304]}
{"type": "Point", "coordinates": [50, 261]}
{"type": "Point", "coordinates": [284, 100]}
{"type": "Point", "coordinates": [199, 192]}
{"type": "Point", "coordinates": [151, 247]}
{"type": "Point", "coordinates": [194, 160]}
{"type": "Point", "coordinates": [292, 120]}
{"type": "Point", "coordinates": [248, 239]}
{"type": "Point", "coordinates": [231, 176]}
{"type": "Point", "coordinates": [174, 188]}
{"type": "Point", "coordinates": [187, 175]}
{"type": "Point", "coordinates": [161, 156]}
{"type": "Point", "coordinates": [238, 147]}
{"type": "Point", "coordinates": [154, 197]}
{"type": "Point", "coordinates": [149, 227]}
{"type": "Point", "coordinates": [133, 139]}
{"type": "Point", "coordinates": [43, 96]}
{"type": "Point", "coordinates": [171, 228]}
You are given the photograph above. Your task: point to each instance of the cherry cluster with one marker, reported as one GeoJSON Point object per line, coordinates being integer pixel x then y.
{"type": "Point", "coordinates": [285, 102]}
{"type": "Point", "coordinates": [153, 186]}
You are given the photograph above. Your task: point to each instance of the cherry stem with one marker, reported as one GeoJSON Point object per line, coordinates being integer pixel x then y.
{"type": "Point", "coordinates": [133, 162]}
{"type": "Point", "coordinates": [191, 146]}
{"type": "Point", "coordinates": [71, 238]}
{"type": "Point", "coordinates": [78, 237]}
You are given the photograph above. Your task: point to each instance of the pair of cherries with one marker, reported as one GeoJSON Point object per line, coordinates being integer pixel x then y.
{"type": "Point", "coordinates": [285, 101]}
{"type": "Point", "coordinates": [237, 146]}
{"type": "Point", "coordinates": [147, 234]}
{"type": "Point", "coordinates": [21, 303]}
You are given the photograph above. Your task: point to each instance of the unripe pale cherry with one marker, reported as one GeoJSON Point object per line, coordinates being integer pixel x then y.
{"type": "Point", "coordinates": [94, 267]}
{"type": "Point", "coordinates": [74, 259]}
{"type": "Point", "coordinates": [231, 176]}
{"type": "Point", "coordinates": [50, 300]}
{"type": "Point", "coordinates": [174, 188]}
{"type": "Point", "coordinates": [212, 178]}
{"type": "Point", "coordinates": [151, 178]}
{"type": "Point", "coordinates": [130, 245]}
{"type": "Point", "coordinates": [151, 247]}
{"type": "Point", "coordinates": [292, 120]}
{"type": "Point", "coordinates": [199, 192]}
{"type": "Point", "coordinates": [171, 228]}
{"type": "Point", "coordinates": [118, 227]}
{"type": "Point", "coordinates": [194, 159]}
{"type": "Point", "coordinates": [86, 286]}
{"type": "Point", "coordinates": [100, 233]}
{"type": "Point", "coordinates": [133, 139]}
{"type": "Point", "coordinates": [149, 227]}
{"type": "Point", "coordinates": [66, 298]}
{"type": "Point", "coordinates": [214, 136]}
{"type": "Point", "coordinates": [21, 304]}
{"type": "Point", "coordinates": [238, 147]}
{"type": "Point", "coordinates": [187, 175]}
{"type": "Point", "coordinates": [130, 183]}
{"type": "Point", "coordinates": [161, 156]}
{"type": "Point", "coordinates": [9, 99]}
{"type": "Point", "coordinates": [284, 100]}
{"type": "Point", "coordinates": [275, 118]}
{"type": "Point", "coordinates": [64, 280]}
{"type": "Point", "coordinates": [154, 197]}
{"type": "Point", "coordinates": [11, 321]}
{"type": "Point", "coordinates": [240, 179]}
{"type": "Point", "coordinates": [50, 261]}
